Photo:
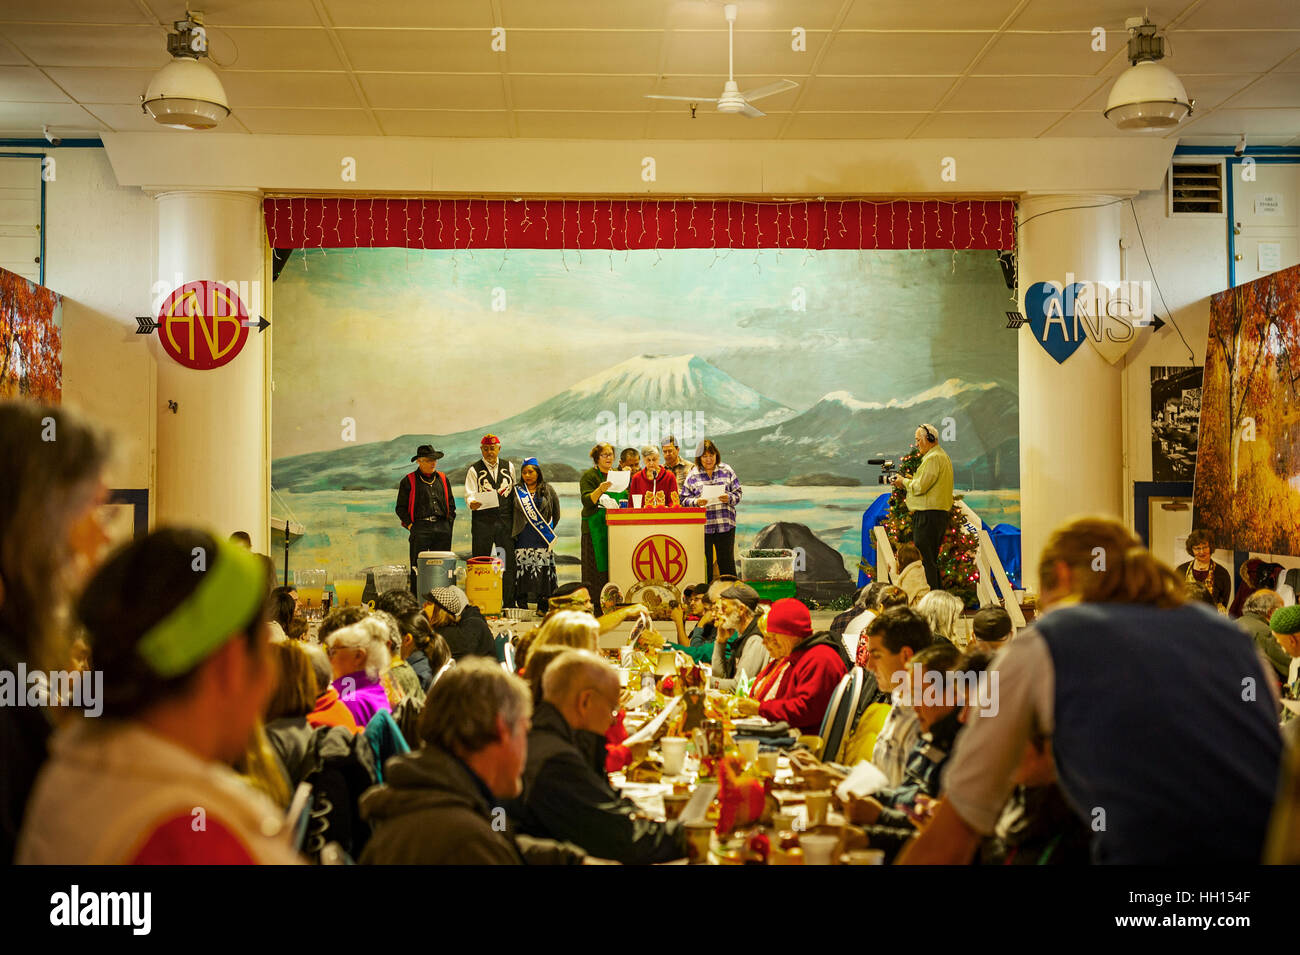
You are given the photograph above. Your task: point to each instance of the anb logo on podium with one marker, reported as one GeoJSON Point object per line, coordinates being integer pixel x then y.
{"type": "Point", "coordinates": [202, 325]}
{"type": "Point", "coordinates": [659, 557]}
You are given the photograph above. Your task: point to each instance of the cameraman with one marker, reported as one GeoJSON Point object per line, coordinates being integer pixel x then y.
{"type": "Point", "coordinates": [929, 498]}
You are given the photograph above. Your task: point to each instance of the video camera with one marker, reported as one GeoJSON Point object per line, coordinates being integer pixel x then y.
{"type": "Point", "coordinates": [887, 469]}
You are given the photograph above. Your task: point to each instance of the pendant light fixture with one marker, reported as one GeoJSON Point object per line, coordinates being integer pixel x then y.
{"type": "Point", "coordinates": [1147, 97]}
{"type": "Point", "coordinates": [186, 93]}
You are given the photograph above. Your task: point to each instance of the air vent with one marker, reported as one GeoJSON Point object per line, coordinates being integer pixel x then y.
{"type": "Point", "coordinates": [1196, 189]}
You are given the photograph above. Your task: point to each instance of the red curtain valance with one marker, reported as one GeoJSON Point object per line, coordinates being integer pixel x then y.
{"type": "Point", "coordinates": [618, 224]}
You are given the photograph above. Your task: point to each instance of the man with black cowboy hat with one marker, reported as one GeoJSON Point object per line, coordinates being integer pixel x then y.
{"type": "Point", "coordinates": [489, 485]}
{"type": "Point", "coordinates": [426, 506]}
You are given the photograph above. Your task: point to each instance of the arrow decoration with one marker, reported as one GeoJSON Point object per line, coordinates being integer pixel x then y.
{"type": "Point", "coordinates": [1015, 319]}
{"type": "Point", "coordinates": [145, 326]}
{"type": "Point", "coordinates": [261, 324]}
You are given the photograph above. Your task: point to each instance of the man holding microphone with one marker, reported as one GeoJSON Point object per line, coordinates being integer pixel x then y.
{"type": "Point", "coordinates": [929, 498]}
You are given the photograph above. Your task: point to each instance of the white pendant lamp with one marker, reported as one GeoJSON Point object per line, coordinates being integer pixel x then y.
{"type": "Point", "coordinates": [186, 93]}
{"type": "Point", "coordinates": [1147, 97]}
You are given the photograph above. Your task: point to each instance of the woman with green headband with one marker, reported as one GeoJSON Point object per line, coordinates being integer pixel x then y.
{"type": "Point", "coordinates": [177, 625]}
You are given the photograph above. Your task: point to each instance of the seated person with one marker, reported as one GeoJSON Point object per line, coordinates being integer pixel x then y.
{"type": "Point", "coordinates": [1285, 626]}
{"type": "Point", "coordinates": [576, 595]}
{"type": "Point", "coordinates": [459, 622]}
{"type": "Point", "coordinates": [656, 485]}
{"type": "Point", "coordinates": [186, 674]}
{"type": "Point", "coordinates": [911, 574]}
{"type": "Point", "coordinates": [329, 709]}
{"type": "Point", "coordinates": [1037, 825]}
{"type": "Point", "coordinates": [698, 645]}
{"type": "Point", "coordinates": [359, 656]}
{"type": "Point", "coordinates": [425, 652]}
{"type": "Point", "coordinates": [440, 805]}
{"type": "Point", "coordinates": [863, 602]}
{"type": "Point", "coordinates": [799, 691]}
{"type": "Point", "coordinates": [574, 629]}
{"type": "Point", "coordinates": [887, 596]}
{"type": "Point", "coordinates": [892, 639]}
{"type": "Point", "coordinates": [739, 647]}
{"type": "Point", "coordinates": [1255, 615]}
{"type": "Point", "coordinates": [566, 793]}
{"type": "Point", "coordinates": [991, 629]}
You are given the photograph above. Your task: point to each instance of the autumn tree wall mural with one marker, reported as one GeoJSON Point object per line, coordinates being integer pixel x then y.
{"type": "Point", "coordinates": [1248, 471]}
{"type": "Point", "coordinates": [31, 340]}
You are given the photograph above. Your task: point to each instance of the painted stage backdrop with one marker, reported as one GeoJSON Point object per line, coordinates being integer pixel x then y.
{"type": "Point", "coordinates": [1247, 490]}
{"type": "Point", "coordinates": [31, 340]}
{"type": "Point", "coordinates": [800, 366]}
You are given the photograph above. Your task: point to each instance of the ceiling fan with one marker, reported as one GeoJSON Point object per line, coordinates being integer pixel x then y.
{"type": "Point", "coordinates": [732, 99]}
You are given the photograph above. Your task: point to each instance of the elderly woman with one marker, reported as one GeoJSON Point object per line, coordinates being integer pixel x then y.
{"type": "Point", "coordinates": [720, 506]}
{"type": "Point", "coordinates": [1203, 569]}
{"type": "Point", "coordinates": [359, 656]}
{"type": "Point", "coordinates": [656, 485]}
{"type": "Point", "coordinates": [941, 611]}
{"type": "Point", "coordinates": [595, 536]}
{"type": "Point", "coordinates": [537, 514]}
{"type": "Point", "coordinates": [806, 667]}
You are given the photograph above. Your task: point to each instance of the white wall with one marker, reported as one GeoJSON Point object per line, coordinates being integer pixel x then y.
{"type": "Point", "coordinates": [100, 253]}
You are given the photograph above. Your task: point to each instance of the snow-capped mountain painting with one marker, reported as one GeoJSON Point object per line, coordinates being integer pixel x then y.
{"type": "Point", "coordinates": [378, 351]}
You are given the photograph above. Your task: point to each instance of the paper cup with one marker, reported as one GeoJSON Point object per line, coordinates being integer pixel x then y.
{"type": "Point", "coordinates": [768, 762]}
{"type": "Point", "coordinates": [698, 837]}
{"type": "Point", "coordinates": [866, 857]}
{"type": "Point", "coordinates": [674, 803]}
{"type": "Point", "coordinates": [816, 804]}
{"type": "Point", "coordinates": [673, 749]}
{"type": "Point", "coordinates": [817, 848]}
{"type": "Point", "coordinates": [637, 499]}
{"type": "Point", "coordinates": [784, 822]}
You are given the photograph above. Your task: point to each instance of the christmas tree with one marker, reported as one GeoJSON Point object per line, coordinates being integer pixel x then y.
{"type": "Point", "coordinates": [957, 571]}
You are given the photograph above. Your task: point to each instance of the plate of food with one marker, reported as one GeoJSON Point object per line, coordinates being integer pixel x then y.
{"type": "Point", "coordinates": [657, 596]}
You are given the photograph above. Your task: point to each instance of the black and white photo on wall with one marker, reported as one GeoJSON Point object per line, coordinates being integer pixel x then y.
{"type": "Point", "coordinates": [1175, 421]}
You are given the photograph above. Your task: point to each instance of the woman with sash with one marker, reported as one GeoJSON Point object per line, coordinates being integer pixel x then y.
{"type": "Point", "coordinates": [537, 514]}
{"type": "Point", "coordinates": [595, 536]}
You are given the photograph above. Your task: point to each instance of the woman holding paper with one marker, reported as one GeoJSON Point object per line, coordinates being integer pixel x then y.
{"type": "Point", "coordinates": [537, 514]}
{"type": "Point", "coordinates": [715, 487]}
{"type": "Point", "coordinates": [592, 486]}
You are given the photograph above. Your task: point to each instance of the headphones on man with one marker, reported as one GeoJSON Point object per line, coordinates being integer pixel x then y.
{"type": "Point", "coordinates": [929, 433]}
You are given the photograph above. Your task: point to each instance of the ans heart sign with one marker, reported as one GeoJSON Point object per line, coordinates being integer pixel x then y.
{"type": "Point", "coordinates": [1061, 317]}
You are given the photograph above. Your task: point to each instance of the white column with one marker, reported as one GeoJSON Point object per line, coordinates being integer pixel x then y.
{"type": "Point", "coordinates": [213, 450]}
{"type": "Point", "coordinates": [1071, 426]}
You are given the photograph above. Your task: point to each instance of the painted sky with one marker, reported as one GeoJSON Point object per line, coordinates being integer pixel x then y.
{"type": "Point", "coordinates": [408, 341]}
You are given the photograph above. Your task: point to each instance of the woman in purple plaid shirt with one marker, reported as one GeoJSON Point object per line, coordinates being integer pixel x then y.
{"type": "Point", "coordinates": [720, 516]}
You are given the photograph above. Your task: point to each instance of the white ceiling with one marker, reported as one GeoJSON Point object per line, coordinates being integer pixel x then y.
{"type": "Point", "coordinates": [873, 69]}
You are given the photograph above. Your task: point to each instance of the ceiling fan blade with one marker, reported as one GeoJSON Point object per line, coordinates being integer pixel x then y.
{"type": "Point", "coordinates": [780, 86]}
{"type": "Point", "coordinates": [684, 99]}
{"type": "Point", "coordinates": [753, 112]}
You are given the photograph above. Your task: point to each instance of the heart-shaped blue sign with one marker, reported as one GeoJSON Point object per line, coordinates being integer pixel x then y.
{"type": "Point", "coordinates": [1064, 336]}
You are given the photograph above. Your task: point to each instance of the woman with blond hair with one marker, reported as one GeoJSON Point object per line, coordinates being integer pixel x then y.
{"type": "Point", "coordinates": [941, 611]}
{"type": "Point", "coordinates": [595, 536]}
{"type": "Point", "coordinates": [566, 628]}
{"type": "Point", "coordinates": [1163, 731]}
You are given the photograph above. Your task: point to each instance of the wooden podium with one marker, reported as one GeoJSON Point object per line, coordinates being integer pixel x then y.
{"type": "Point", "coordinates": [658, 543]}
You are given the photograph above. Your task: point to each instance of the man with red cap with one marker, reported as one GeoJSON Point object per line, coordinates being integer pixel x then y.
{"type": "Point", "coordinates": [488, 486]}
{"type": "Point", "coordinates": [796, 686]}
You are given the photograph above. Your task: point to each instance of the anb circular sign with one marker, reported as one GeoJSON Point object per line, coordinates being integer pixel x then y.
{"type": "Point", "coordinates": [659, 557]}
{"type": "Point", "coordinates": [203, 325]}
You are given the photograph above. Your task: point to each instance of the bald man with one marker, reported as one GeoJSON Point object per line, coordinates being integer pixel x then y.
{"type": "Point", "coordinates": [566, 789]}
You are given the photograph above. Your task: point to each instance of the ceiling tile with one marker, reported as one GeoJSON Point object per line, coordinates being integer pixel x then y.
{"type": "Point", "coordinates": [593, 51]}
{"type": "Point", "coordinates": [490, 124]}
{"type": "Point", "coordinates": [708, 124]}
{"type": "Point", "coordinates": [1244, 14]}
{"type": "Point", "coordinates": [584, 15]}
{"type": "Point", "coordinates": [1021, 92]}
{"type": "Point", "coordinates": [433, 91]}
{"type": "Point", "coordinates": [265, 48]}
{"type": "Point", "coordinates": [579, 125]}
{"type": "Point", "coordinates": [277, 13]}
{"type": "Point", "coordinates": [852, 125]}
{"type": "Point", "coordinates": [1058, 54]}
{"type": "Point", "coordinates": [1085, 123]}
{"type": "Point", "coordinates": [549, 91]}
{"type": "Point", "coordinates": [1226, 122]}
{"type": "Point", "coordinates": [927, 15]}
{"type": "Point", "coordinates": [123, 118]}
{"type": "Point", "coordinates": [333, 90]}
{"type": "Point", "coordinates": [442, 51]}
{"type": "Point", "coordinates": [26, 84]}
{"type": "Point", "coordinates": [1018, 125]}
{"type": "Point", "coordinates": [705, 51]}
{"type": "Point", "coordinates": [1059, 15]}
{"type": "Point", "coordinates": [138, 46]}
{"type": "Point", "coordinates": [914, 54]}
{"type": "Point", "coordinates": [33, 116]}
{"type": "Point", "coordinates": [1292, 64]}
{"type": "Point", "coordinates": [1229, 52]}
{"type": "Point", "coordinates": [465, 14]}
{"type": "Point", "coordinates": [103, 86]}
{"type": "Point", "coordinates": [754, 14]}
{"type": "Point", "coordinates": [72, 11]}
{"type": "Point", "coordinates": [308, 122]}
{"type": "Point", "coordinates": [1207, 91]}
{"type": "Point", "coordinates": [9, 55]}
{"type": "Point", "coordinates": [1276, 90]}
{"type": "Point", "coordinates": [875, 92]}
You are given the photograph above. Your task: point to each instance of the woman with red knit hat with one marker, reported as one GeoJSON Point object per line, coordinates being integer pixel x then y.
{"type": "Point", "coordinates": [806, 667]}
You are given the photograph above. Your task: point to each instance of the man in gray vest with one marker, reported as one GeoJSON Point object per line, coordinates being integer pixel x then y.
{"type": "Point", "coordinates": [488, 489]}
{"type": "Point", "coordinates": [929, 498]}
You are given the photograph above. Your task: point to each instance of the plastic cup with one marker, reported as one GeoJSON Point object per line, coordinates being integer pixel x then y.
{"type": "Point", "coordinates": [768, 762]}
{"type": "Point", "coordinates": [748, 750]}
{"type": "Point", "coordinates": [698, 837]}
{"type": "Point", "coordinates": [817, 804]}
{"type": "Point", "coordinates": [673, 749]}
{"type": "Point", "coordinates": [674, 803]}
{"type": "Point", "coordinates": [817, 848]}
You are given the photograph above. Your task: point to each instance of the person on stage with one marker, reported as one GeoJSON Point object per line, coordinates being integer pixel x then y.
{"type": "Point", "coordinates": [657, 486]}
{"type": "Point", "coordinates": [595, 536]}
{"type": "Point", "coordinates": [488, 492]}
{"type": "Point", "coordinates": [426, 507]}
{"type": "Point", "coordinates": [929, 498]}
{"type": "Point", "coordinates": [536, 513]}
{"type": "Point", "coordinates": [720, 503]}
{"type": "Point", "coordinates": [674, 463]}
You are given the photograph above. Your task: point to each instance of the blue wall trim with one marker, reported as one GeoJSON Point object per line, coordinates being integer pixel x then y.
{"type": "Point", "coordinates": [42, 143]}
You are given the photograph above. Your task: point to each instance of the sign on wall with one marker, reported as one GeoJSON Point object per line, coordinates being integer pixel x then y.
{"type": "Point", "coordinates": [202, 325]}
